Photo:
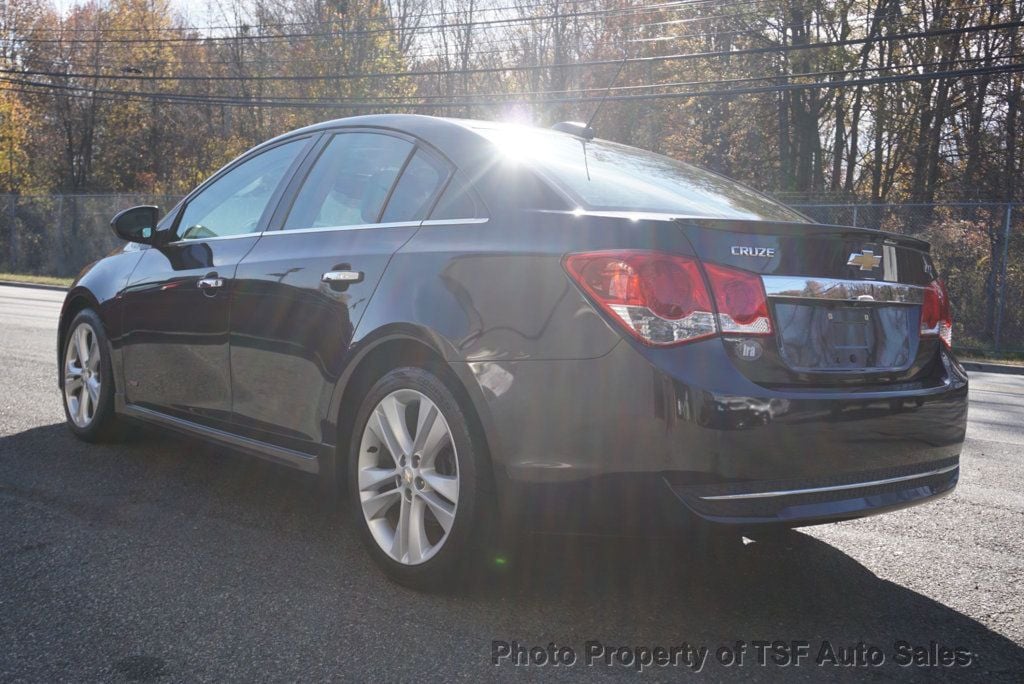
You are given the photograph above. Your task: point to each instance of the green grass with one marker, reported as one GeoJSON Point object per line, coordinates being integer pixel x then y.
{"type": "Point", "coordinates": [34, 279]}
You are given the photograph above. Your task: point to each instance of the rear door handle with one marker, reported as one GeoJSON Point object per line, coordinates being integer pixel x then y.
{"type": "Point", "coordinates": [342, 277]}
{"type": "Point", "coordinates": [210, 283]}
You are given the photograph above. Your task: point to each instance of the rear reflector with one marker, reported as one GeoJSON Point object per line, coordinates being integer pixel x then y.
{"type": "Point", "coordinates": [742, 304]}
{"type": "Point", "coordinates": [936, 316]}
{"type": "Point", "coordinates": [659, 298]}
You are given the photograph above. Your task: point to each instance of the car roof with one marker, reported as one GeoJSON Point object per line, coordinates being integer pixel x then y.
{"type": "Point", "coordinates": [417, 124]}
{"type": "Point", "coordinates": [458, 139]}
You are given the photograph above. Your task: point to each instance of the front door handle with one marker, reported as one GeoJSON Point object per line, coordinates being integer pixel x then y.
{"type": "Point", "coordinates": [342, 277]}
{"type": "Point", "coordinates": [210, 283]}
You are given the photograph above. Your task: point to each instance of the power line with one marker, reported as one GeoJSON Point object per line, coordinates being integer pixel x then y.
{"type": "Point", "coordinates": [662, 7]}
{"type": "Point", "coordinates": [513, 41]}
{"type": "Point", "coordinates": [509, 42]}
{"type": "Point", "coordinates": [507, 45]}
{"type": "Point", "coordinates": [511, 98]}
{"type": "Point", "coordinates": [772, 49]}
{"type": "Point", "coordinates": [316, 77]}
{"type": "Point", "coordinates": [677, 5]}
{"type": "Point", "coordinates": [355, 32]}
{"type": "Point", "coordinates": [623, 11]}
{"type": "Point", "coordinates": [304, 78]}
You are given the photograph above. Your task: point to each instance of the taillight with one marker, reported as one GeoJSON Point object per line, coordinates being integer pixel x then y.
{"type": "Point", "coordinates": [660, 299]}
{"type": "Point", "coordinates": [742, 304]}
{"type": "Point", "coordinates": [936, 317]}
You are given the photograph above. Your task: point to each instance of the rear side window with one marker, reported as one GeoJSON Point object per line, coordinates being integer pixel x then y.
{"type": "Point", "coordinates": [420, 180]}
{"type": "Point", "coordinates": [349, 182]}
{"type": "Point", "coordinates": [458, 202]}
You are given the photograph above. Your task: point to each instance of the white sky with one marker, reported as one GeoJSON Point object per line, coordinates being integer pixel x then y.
{"type": "Point", "coordinates": [198, 11]}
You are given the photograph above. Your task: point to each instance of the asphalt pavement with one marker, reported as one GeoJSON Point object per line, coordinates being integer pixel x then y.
{"type": "Point", "coordinates": [164, 560]}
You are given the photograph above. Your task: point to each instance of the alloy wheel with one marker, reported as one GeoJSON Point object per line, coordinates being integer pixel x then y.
{"type": "Point", "coordinates": [408, 476]}
{"type": "Point", "coordinates": [82, 375]}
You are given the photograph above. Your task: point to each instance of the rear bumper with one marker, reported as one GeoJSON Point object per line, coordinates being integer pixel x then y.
{"type": "Point", "coordinates": [806, 503]}
{"type": "Point", "coordinates": [644, 436]}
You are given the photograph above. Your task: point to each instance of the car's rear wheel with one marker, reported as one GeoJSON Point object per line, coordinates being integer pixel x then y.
{"type": "Point", "coordinates": [88, 380]}
{"type": "Point", "coordinates": [416, 479]}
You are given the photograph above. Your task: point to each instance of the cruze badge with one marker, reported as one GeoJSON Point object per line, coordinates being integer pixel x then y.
{"type": "Point", "coordinates": [753, 251]}
{"type": "Point", "coordinates": [866, 259]}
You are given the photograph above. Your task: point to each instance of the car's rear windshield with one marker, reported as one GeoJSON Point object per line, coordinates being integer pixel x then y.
{"type": "Point", "coordinates": [606, 176]}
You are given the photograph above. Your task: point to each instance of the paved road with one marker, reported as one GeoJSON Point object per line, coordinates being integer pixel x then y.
{"type": "Point", "coordinates": [162, 560]}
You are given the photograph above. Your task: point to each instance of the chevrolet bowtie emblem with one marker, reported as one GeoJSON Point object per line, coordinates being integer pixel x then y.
{"type": "Point", "coordinates": [865, 259]}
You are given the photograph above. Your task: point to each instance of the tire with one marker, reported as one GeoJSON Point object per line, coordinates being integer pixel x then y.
{"type": "Point", "coordinates": [95, 419]}
{"type": "Point", "coordinates": [438, 480]}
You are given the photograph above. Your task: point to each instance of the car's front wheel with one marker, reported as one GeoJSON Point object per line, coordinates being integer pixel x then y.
{"type": "Point", "coordinates": [88, 379]}
{"type": "Point", "coordinates": [417, 481]}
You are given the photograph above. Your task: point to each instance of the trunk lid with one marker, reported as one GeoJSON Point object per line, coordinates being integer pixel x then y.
{"type": "Point", "coordinates": [845, 302]}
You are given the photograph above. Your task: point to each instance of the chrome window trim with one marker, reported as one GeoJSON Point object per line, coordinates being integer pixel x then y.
{"type": "Point", "coordinates": [807, 287]}
{"type": "Point", "coordinates": [328, 229]}
{"type": "Point", "coordinates": [183, 241]}
{"type": "Point", "coordinates": [835, 488]}
{"type": "Point", "coordinates": [354, 226]}
{"type": "Point", "coordinates": [455, 222]}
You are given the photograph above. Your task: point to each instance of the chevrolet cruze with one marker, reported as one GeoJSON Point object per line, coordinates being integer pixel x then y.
{"type": "Point", "coordinates": [470, 327]}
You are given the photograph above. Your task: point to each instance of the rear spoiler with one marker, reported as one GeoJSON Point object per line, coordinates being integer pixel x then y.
{"type": "Point", "coordinates": [790, 228]}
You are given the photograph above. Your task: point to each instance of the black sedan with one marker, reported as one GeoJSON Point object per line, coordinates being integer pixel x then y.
{"type": "Point", "coordinates": [471, 327]}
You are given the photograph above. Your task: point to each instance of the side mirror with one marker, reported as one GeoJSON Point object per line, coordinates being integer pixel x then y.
{"type": "Point", "coordinates": [137, 224]}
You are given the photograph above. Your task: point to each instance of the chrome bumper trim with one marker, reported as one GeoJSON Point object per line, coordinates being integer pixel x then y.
{"type": "Point", "coordinates": [802, 287]}
{"type": "Point", "coordinates": [835, 488]}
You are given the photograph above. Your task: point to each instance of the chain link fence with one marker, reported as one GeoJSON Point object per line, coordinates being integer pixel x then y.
{"type": "Point", "coordinates": [978, 248]}
{"type": "Point", "coordinates": [57, 235]}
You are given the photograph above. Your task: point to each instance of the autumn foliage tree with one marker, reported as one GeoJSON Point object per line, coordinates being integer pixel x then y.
{"type": "Point", "coordinates": [870, 101]}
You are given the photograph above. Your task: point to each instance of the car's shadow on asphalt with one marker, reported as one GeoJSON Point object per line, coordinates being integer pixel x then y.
{"type": "Point", "coordinates": [191, 502]}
